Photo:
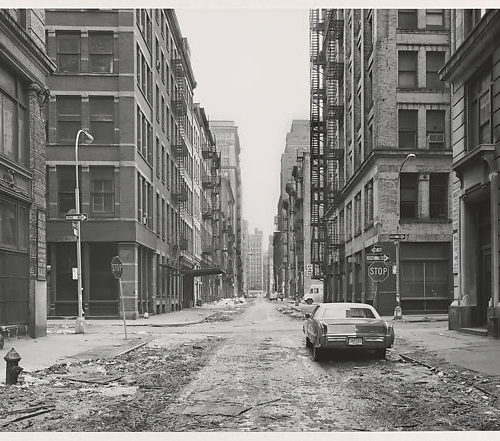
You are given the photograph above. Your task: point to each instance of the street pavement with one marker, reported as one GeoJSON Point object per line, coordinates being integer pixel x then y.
{"type": "Point", "coordinates": [106, 338]}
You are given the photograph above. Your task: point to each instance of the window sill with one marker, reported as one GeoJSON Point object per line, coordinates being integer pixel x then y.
{"type": "Point", "coordinates": [422, 89]}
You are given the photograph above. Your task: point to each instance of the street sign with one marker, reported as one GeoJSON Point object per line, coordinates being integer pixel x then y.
{"type": "Point", "coordinates": [376, 249]}
{"type": "Point", "coordinates": [399, 236]}
{"type": "Point", "coordinates": [76, 217]}
{"type": "Point", "coordinates": [116, 267]}
{"type": "Point", "coordinates": [378, 271]}
{"type": "Point", "coordinates": [377, 257]}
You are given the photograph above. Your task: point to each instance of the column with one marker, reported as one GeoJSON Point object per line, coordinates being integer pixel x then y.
{"type": "Point", "coordinates": [423, 196]}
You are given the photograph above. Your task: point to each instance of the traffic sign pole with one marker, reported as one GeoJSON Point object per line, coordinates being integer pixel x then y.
{"type": "Point", "coordinates": [117, 271]}
{"type": "Point", "coordinates": [123, 308]}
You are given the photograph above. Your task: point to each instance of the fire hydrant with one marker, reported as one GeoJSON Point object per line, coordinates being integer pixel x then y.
{"type": "Point", "coordinates": [12, 368]}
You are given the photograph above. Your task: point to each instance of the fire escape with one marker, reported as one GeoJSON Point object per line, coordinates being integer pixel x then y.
{"type": "Point", "coordinates": [181, 190]}
{"type": "Point", "coordinates": [326, 120]}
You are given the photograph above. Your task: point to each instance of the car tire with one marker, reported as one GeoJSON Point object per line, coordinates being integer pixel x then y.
{"type": "Point", "coordinates": [317, 353]}
{"type": "Point", "coordinates": [308, 342]}
{"type": "Point", "coordinates": [381, 353]}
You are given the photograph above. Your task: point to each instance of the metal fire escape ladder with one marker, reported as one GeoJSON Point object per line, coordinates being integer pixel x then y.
{"type": "Point", "coordinates": [317, 138]}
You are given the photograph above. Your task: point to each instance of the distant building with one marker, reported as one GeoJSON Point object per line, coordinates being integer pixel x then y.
{"type": "Point", "coordinates": [255, 262]}
{"type": "Point", "coordinates": [24, 68]}
{"type": "Point", "coordinates": [473, 71]}
{"type": "Point", "coordinates": [376, 100]}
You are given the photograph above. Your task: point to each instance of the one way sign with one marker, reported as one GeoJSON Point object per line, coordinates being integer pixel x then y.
{"type": "Point", "coordinates": [377, 257]}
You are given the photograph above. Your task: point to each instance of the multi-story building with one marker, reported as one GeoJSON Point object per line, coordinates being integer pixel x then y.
{"type": "Point", "coordinates": [473, 71]}
{"type": "Point", "coordinates": [268, 267]}
{"type": "Point", "coordinates": [255, 269]}
{"type": "Point", "coordinates": [23, 211]}
{"type": "Point", "coordinates": [228, 144]}
{"type": "Point", "coordinates": [124, 76]}
{"type": "Point", "coordinates": [380, 156]}
{"type": "Point", "coordinates": [285, 262]}
{"type": "Point", "coordinates": [244, 253]}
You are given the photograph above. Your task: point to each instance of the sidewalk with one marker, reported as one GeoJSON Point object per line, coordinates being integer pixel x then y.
{"type": "Point", "coordinates": [102, 338]}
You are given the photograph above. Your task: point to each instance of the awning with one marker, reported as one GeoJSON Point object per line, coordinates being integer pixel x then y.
{"type": "Point", "coordinates": [204, 272]}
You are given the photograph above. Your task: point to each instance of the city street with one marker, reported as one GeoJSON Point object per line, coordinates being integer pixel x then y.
{"type": "Point", "coordinates": [247, 369]}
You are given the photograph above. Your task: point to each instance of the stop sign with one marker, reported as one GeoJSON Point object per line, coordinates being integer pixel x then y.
{"type": "Point", "coordinates": [116, 267]}
{"type": "Point", "coordinates": [378, 271]}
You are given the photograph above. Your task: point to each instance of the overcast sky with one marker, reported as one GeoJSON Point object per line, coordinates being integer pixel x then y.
{"type": "Point", "coordinates": [252, 66]}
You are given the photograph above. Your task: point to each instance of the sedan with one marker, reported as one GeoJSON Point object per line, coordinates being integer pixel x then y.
{"type": "Point", "coordinates": [347, 326]}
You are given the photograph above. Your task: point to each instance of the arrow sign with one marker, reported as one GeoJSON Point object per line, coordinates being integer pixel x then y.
{"type": "Point", "coordinates": [399, 236]}
{"type": "Point", "coordinates": [76, 217]}
{"type": "Point", "coordinates": [377, 257]}
{"type": "Point", "coordinates": [376, 249]}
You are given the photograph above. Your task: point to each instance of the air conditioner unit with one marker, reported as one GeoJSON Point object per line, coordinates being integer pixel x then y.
{"type": "Point", "coordinates": [435, 138]}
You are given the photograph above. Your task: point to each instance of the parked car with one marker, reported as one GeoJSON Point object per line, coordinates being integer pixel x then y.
{"type": "Point", "coordinates": [347, 326]}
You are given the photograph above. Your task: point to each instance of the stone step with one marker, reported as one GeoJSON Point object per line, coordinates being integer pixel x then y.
{"type": "Point", "coordinates": [474, 331]}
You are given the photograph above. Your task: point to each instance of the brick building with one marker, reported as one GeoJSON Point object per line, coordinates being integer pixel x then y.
{"type": "Point", "coordinates": [24, 67]}
{"type": "Point", "coordinates": [377, 100]}
{"type": "Point", "coordinates": [126, 77]}
{"type": "Point", "coordinates": [474, 72]}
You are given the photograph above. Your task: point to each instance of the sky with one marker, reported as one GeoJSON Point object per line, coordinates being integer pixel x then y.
{"type": "Point", "coordinates": [252, 66]}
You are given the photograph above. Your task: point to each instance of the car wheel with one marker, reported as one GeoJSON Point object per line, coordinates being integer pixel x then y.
{"type": "Point", "coordinates": [381, 353]}
{"type": "Point", "coordinates": [308, 342]}
{"type": "Point", "coordinates": [317, 353]}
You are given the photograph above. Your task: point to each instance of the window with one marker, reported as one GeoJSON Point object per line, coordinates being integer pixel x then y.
{"type": "Point", "coordinates": [438, 196]}
{"type": "Point", "coordinates": [348, 220]}
{"type": "Point", "coordinates": [435, 129]}
{"type": "Point", "coordinates": [434, 18]}
{"type": "Point", "coordinates": [407, 129]}
{"type": "Point", "coordinates": [407, 69]}
{"type": "Point", "coordinates": [13, 226]}
{"type": "Point", "coordinates": [158, 163]}
{"type": "Point", "coordinates": [68, 51]}
{"type": "Point", "coordinates": [408, 195]}
{"type": "Point", "coordinates": [66, 184]}
{"type": "Point", "coordinates": [407, 19]}
{"type": "Point", "coordinates": [479, 111]}
{"type": "Point", "coordinates": [163, 171]}
{"type": "Point", "coordinates": [357, 214]}
{"type": "Point", "coordinates": [163, 219]}
{"type": "Point", "coordinates": [158, 214]}
{"type": "Point", "coordinates": [157, 54]}
{"type": "Point", "coordinates": [102, 196]}
{"type": "Point", "coordinates": [157, 103]}
{"type": "Point", "coordinates": [369, 203]}
{"type": "Point", "coordinates": [102, 125]}
{"type": "Point", "coordinates": [69, 117]}
{"type": "Point", "coordinates": [471, 19]}
{"type": "Point", "coordinates": [101, 52]}
{"type": "Point", "coordinates": [163, 113]}
{"type": "Point", "coordinates": [434, 63]}
{"type": "Point", "coordinates": [162, 67]}
{"type": "Point", "coordinates": [13, 118]}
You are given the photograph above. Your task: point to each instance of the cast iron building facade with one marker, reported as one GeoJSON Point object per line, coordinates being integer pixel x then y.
{"type": "Point", "coordinates": [24, 67]}
{"type": "Point", "coordinates": [125, 76]}
{"type": "Point", "coordinates": [474, 72]}
{"type": "Point", "coordinates": [376, 97]}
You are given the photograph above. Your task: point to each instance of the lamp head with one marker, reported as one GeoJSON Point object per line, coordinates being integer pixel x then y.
{"type": "Point", "coordinates": [411, 155]}
{"type": "Point", "coordinates": [87, 137]}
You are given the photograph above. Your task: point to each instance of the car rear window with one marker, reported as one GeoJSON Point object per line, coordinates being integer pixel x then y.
{"type": "Point", "coordinates": [340, 313]}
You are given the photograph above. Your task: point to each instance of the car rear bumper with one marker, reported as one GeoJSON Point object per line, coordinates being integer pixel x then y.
{"type": "Point", "coordinates": [368, 342]}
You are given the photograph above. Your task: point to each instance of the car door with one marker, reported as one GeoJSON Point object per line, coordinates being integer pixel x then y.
{"type": "Point", "coordinates": [312, 325]}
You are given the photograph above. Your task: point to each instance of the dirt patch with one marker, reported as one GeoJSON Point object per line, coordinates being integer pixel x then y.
{"type": "Point", "coordinates": [76, 397]}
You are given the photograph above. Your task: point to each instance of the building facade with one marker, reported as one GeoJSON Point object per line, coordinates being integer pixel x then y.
{"type": "Point", "coordinates": [255, 269]}
{"type": "Point", "coordinates": [228, 144]}
{"type": "Point", "coordinates": [381, 156]}
{"type": "Point", "coordinates": [474, 72]}
{"type": "Point", "coordinates": [24, 68]}
{"type": "Point", "coordinates": [286, 243]}
{"type": "Point", "coordinates": [126, 77]}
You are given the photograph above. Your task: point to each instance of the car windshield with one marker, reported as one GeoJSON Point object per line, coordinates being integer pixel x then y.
{"type": "Point", "coordinates": [340, 313]}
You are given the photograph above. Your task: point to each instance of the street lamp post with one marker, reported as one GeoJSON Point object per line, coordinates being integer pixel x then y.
{"type": "Point", "coordinates": [398, 313]}
{"type": "Point", "coordinates": [80, 320]}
